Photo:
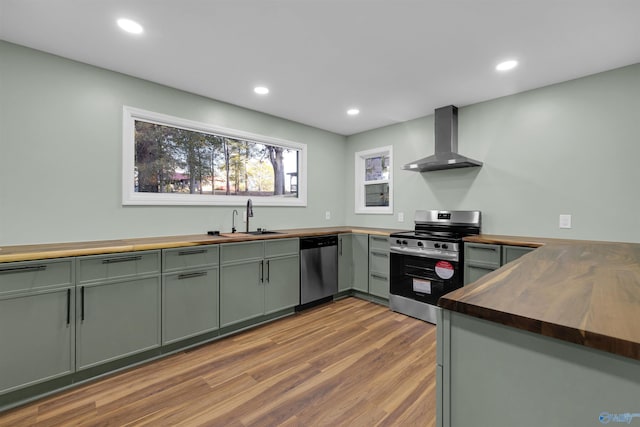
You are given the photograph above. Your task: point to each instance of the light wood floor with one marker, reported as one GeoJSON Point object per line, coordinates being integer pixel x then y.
{"type": "Point", "coordinates": [346, 363]}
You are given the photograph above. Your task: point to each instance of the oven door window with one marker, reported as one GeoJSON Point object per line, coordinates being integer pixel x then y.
{"type": "Point", "coordinates": [423, 279]}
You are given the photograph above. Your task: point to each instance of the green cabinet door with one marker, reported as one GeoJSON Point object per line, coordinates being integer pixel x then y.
{"type": "Point", "coordinates": [360, 262]}
{"type": "Point", "coordinates": [512, 253]}
{"type": "Point", "coordinates": [241, 291]}
{"type": "Point", "coordinates": [345, 262]}
{"type": "Point", "coordinates": [189, 304]}
{"type": "Point", "coordinates": [36, 338]}
{"type": "Point", "coordinates": [116, 319]}
{"type": "Point", "coordinates": [282, 283]}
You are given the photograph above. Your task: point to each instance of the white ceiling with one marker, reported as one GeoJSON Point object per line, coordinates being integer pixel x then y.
{"type": "Point", "coordinates": [395, 60]}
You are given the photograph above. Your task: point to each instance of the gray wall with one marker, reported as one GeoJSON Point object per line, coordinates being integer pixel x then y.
{"type": "Point", "coordinates": [569, 148]}
{"type": "Point", "coordinates": [61, 155]}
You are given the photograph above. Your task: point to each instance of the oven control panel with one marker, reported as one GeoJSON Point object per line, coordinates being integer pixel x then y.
{"type": "Point", "coordinates": [425, 248]}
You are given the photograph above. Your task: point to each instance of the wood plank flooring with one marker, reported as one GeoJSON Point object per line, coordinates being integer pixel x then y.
{"type": "Point", "coordinates": [345, 363]}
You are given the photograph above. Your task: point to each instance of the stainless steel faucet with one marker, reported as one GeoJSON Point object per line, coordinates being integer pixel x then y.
{"type": "Point", "coordinates": [249, 212]}
{"type": "Point", "coordinates": [233, 220]}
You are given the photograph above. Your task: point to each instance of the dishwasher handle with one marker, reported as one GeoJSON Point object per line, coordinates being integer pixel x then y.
{"type": "Point", "coordinates": [318, 242]}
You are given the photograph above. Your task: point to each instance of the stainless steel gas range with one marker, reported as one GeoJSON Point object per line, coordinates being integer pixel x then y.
{"type": "Point", "coordinates": [428, 262]}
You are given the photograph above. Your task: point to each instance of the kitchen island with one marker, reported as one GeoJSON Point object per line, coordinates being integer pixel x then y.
{"type": "Point", "coordinates": [552, 338]}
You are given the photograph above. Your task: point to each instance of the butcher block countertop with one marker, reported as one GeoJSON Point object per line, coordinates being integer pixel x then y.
{"type": "Point", "coordinates": [583, 292]}
{"type": "Point", "coordinates": [62, 250]}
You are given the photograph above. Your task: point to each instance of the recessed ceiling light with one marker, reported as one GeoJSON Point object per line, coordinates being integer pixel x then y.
{"type": "Point", "coordinates": [130, 26]}
{"type": "Point", "coordinates": [507, 65]}
{"type": "Point", "coordinates": [353, 112]}
{"type": "Point", "coordinates": [261, 90]}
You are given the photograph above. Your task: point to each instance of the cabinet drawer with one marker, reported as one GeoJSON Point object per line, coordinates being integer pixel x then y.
{"type": "Point", "coordinates": [244, 251]}
{"type": "Point", "coordinates": [511, 253]}
{"type": "Point", "coordinates": [379, 261]}
{"type": "Point", "coordinates": [473, 273]}
{"type": "Point", "coordinates": [103, 267]}
{"type": "Point", "coordinates": [282, 247]}
{"type": "Point", "coordinates": [32, 275]}
{"type": "Point", "coordinates": [190, 257]}
{"type": "Point", "coordinates": [379, 242]}
{"type": "Point", "coordinates": [379, 285]}
{"type": "Point", "coordinates": [476, 253]}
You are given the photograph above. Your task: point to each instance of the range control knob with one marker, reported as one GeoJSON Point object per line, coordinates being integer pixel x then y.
{"type": "Point", "coordinates": [445, 246]}
{"type": "Point", "coordinates": [436, 245]}
{"type": "Point", "coordinates": [399, 242]}
{"type": "Point", "coordinates": [420, 244]}
{"type": "Point", "coordinates": [404, 242]}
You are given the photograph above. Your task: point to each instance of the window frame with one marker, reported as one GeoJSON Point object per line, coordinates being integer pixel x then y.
{"type": "Point", "coordinates": [131, 197]}
{"type": "Point", "coordinates": [360, 192]}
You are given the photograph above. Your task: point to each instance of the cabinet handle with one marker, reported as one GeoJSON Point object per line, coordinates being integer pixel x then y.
{"type": "Point", "coordinates": [379, 239]}
{"type": "Point", "coordinates": [190, 275]}
{"type": "Point", "coordinates": [82, 303]}
{"type": "Point", "coordinates": [268, 273]}
{"type": "Point", "coordinates": [261, 271]}
{"type": "Point", "coordinates": [68, 306]}
{"type": "Point", "coordinates": [380, 254]}
{"type": "Point", "coordinates": [26, 269]}
{"type": "Point", "coordinates": [377, 276]}
{"type": "Point", "coordinates": [192, 252]}
{"type": "Point", "coordinates": [341, 247]}
{"type": "Point", "coordinates": [122, 259]}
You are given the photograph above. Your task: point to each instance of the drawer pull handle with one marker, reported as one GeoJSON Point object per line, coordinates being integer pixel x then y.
{"type": "Point", "coordinates": [122, 259]}
{"type": "Point", "coordinates": [379, 239]}
{"type": "Point", "coordinates": [26, 269]}
{"type": "Point", "coordinates": [380, 254]}
{"type": "Point", "coordinates": [377, 276]}
{"type": "Point", "coordinates": [191, 275]}
{"type": "Point", "coordinates": [193, 252]}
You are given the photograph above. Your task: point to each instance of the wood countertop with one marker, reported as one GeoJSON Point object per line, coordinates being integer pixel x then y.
{"type": "Point", "coordinates": [583, 292]}
{"type": "Point", "coordinates": [62, 250]}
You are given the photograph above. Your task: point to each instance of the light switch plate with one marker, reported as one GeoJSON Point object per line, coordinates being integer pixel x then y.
{"type": "Point", "coordinates": [400, 216]}
{"type": "Point", "coordinates": [565, 221]}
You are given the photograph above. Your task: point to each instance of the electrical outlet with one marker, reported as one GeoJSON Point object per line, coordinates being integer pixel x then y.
{"type": "Point", "coordinates": [565, 221]}
{"type": "Point", "coordinates": [400, 216]}
{"type": "Point", "coordinates": [327, 215]}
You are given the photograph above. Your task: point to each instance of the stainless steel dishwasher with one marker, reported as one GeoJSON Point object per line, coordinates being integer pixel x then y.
{"type": "Point", "coordinates": [318, 269]}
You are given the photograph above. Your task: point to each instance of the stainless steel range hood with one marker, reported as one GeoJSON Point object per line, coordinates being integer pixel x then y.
{"type": "Point", "coordinates": [446, 141]}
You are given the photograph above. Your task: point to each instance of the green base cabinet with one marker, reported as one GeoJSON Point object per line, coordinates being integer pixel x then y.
{"type": "Point", "coordinates": [379, 266]}
{"type": "Point", "coordinates": [482, 258]}
{"type": "Point", "coordinates": [345, 262]}
{"type": "Point", "coordinates": [37, 331]}
{"type": "Point", "coordinates": [495, 375]}
{"type": "Point", "coordinates": [118, 309]}
{"type": "Point", "coordinates": [258, 278]}
{"type": "Point", "coordinates": [360, 262]}
{"type": "Point", "coordinates": [190, 292]}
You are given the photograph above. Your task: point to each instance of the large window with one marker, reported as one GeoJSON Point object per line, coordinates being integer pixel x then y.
{"type": "Point", "coordinates": [374, 181]}
{"type": "Point", "coordinates": [172, 161]}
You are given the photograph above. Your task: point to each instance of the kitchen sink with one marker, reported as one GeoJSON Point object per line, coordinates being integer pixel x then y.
{"type": "Point", "coordinates": [260, 232]}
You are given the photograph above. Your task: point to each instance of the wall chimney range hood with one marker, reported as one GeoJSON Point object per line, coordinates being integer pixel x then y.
{"type": "Point", "coordinates": [446, 142]}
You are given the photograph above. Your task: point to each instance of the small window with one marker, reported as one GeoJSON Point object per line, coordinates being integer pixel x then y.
{"type": "Point", "coordinates": [373, 179]}
{"type": "Point", "coordinates": [172, 161]}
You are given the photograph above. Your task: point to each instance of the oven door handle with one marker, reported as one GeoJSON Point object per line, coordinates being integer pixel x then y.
{"type": "Point", "coordinates": [422, 253]}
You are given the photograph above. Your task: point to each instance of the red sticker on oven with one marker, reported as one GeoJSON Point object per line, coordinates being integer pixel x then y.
{"type": "Point", "coordinates": [444, 269]}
